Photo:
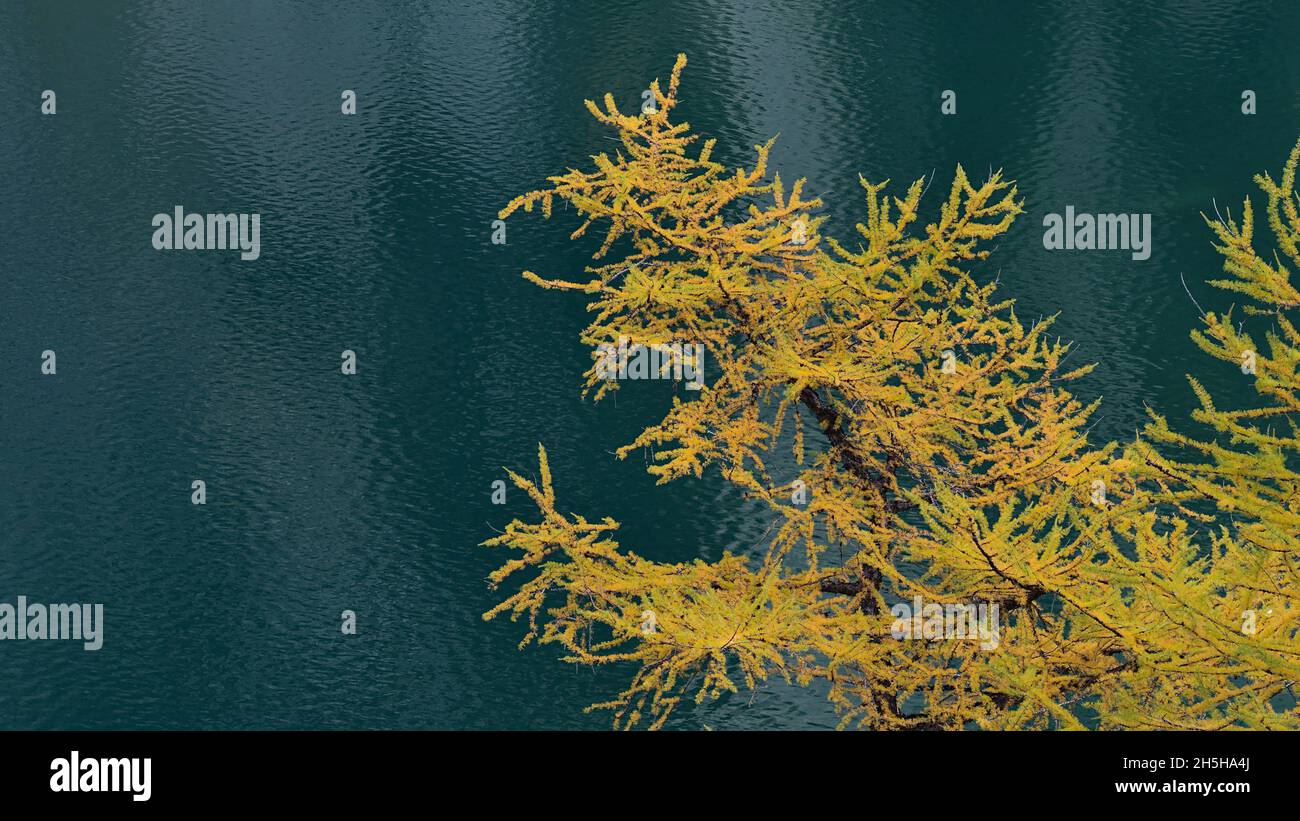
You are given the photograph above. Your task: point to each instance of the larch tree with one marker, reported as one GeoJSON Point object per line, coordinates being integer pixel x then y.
{"type": "Point", "coordinates": [1242, 489]}
{"type": "Point", "coordinates": [953, 467]}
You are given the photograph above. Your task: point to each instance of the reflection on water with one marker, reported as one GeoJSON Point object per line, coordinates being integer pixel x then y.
{"type": "Point", "coordinates": [369, 493]}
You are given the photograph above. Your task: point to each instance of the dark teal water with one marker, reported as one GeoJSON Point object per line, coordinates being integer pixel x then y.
{"type": "Point", "coordinates": [369, 493]}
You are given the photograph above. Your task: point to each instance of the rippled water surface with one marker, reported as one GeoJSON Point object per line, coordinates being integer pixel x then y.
{"type": "Point", "coordinates": [370, 493]}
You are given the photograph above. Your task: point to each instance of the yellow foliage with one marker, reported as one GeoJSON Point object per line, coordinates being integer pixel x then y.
{"type": "Point", "coordinates": [955, 467]}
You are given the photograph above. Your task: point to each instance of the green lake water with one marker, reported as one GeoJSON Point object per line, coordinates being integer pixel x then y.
{"type": "Point", "coordinates": [328, 492]}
